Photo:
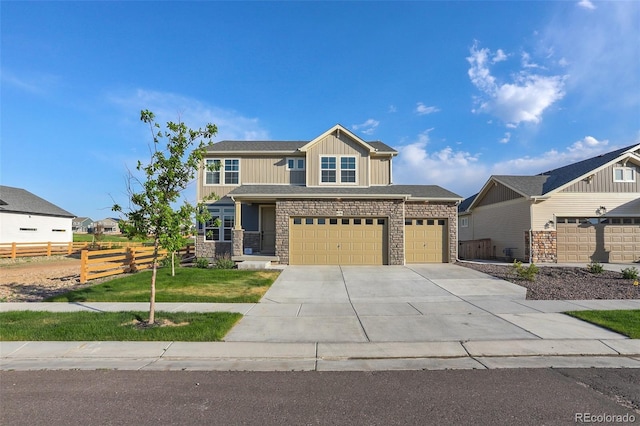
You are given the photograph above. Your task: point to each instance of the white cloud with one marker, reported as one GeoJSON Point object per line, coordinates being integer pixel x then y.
{"type": "Point", "coordinates": [586, 4]}
{"type": "Point", "coordinates": [422, 109]}
{"type": "Point", "coordinates": [522, 100]}
{"type": "Point", "coordinates": [392, 108]}
{"type": "Point", "coordinates": [366, 128]}
{"type": "Point", "coordinates": [194, 113]}
{"type": "Point", "coordinates": [506, 138]}
{"type": "Point", "coordinates": [455, 170]}
{"type": "Point", "coordinates": [31, 82]}
{"type": "Point", "coordinates": [552, 159]}
{"type": "Point", "coordinates": [499, 56]}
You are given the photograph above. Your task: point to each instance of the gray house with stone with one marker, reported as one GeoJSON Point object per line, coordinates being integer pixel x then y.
{"type": "Point", "coordinates": [327, 201]}
{"type": "Point", "coordinates": [583, 212]}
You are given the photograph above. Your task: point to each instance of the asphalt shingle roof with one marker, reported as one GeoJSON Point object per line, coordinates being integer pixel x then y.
{"type": "Point", "coordinates": [18, 200]}
{"type": "Point", "coordinates": [415, 191]}
{"type": "Point", "coordinates": [267, 146]}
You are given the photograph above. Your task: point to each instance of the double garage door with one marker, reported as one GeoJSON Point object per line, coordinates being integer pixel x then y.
{"type": "Point", "coordinates": [600, 239]}
{"type": "Point", "coordinates": [362, 241]}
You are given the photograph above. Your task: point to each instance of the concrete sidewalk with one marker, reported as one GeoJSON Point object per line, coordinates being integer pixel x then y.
{"type": "Point", "coordinates": [359, 318]}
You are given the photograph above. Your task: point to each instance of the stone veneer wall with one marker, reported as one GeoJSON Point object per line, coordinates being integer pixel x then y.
{"type": "Point", "coordinates": [447, 211]}
{"type": "Point", "coordinates": [391, 209]}
{"type": "Point", "coordinates": [211, 249]}
{"type": "Point", "coordinates": [237, 238]}
{"type": "Point", "coordinates": [543, 246]}
{"type": "Point", "coordinates": [252, 240]}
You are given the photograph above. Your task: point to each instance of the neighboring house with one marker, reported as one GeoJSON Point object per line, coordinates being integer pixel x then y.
{"type": "Point", "coordinates": [586, 211]}
{"type": "Point", "coordinates": [325, 201]}
{"type": "Point", "coordinates": [27, 218]}
{"type": "Point", "coordinates": [109, 225]}
{"type": "Point", "coordinates": [82, 225]}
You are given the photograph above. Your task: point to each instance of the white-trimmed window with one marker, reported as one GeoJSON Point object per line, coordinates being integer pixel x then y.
{"type": "Point", "coordinates": [231, 171]}
{"type": "Point", "coordinates": [295, 163]}
{"type": "Point", "coordinates": [222, 172]}
{"type": "Point", "coordinates": [220, 226]}
{"type": "Point", "coordinates": [212, 171]}
{"type": "Point", "coordinates": [347, 169]}
{"type": "Point", "coordinates": [328, 169]}
{"type": "Point", "coordinates": [624, 174]}
{"type": "Point", "coordinates": [464, 222]}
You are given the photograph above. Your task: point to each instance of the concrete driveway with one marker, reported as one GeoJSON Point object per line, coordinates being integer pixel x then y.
{"type": "Point", "coordinates": [414, 303]}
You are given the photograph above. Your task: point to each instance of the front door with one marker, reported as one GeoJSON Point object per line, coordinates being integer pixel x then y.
{"type": "Point", "coordinates": [268, 229]}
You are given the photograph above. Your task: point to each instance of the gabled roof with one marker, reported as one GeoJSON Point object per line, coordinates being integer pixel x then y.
{"type": "Point", "coordinates": [293, 147]}
{"type": "Point", "coordinates": [544, 184]}
{"type": "Point", "coordinates": [18, 200]}
{"type": "Point", "coordinates": [416, 192]}
{"type": "Point", "coordinates": [81, 219]}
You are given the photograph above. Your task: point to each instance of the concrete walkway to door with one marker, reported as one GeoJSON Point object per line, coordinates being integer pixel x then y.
{"type": "Point", "coordinates": [414, 303]}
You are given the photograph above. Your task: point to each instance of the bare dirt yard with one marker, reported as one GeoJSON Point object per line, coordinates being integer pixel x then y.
{"type": "Point", "coordinates": [34, 279]}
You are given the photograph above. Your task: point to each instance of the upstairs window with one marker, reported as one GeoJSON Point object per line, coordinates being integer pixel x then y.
{"type": "Point", "coordinates": [348, 170]}
{"type": "Point", "coordinates": [328, 169]}
{"type": "Point", "coordinates": [624, 174]}
{"type": "Point", "coordinates": [295, 163]}
{"type": "Point", "coordinates": [231, 171]}
{"type": "Point", "coordinates": [212, 172]}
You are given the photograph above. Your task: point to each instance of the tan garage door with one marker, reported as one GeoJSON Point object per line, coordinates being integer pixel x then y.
{"type": "Point", "coordinates": [614, 240]}
{"type": "Point", "coordinates": [337, 241]}
{"type": "Point", "coordinates": [425, 240]}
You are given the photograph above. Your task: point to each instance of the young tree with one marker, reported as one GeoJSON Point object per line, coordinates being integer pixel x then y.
{"type": "Point", "coordinates": [168, 173]}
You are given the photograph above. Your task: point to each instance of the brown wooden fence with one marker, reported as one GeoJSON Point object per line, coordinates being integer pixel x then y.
{"type": "Point", "coordinates": [105, 263]}
{"type": "Point", "coordinates": [14, 250]}
{"type": "Point", "coordinates": [475, 249]}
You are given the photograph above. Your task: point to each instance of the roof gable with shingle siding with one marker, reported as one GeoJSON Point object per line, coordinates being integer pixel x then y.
{"type": "Point", "coordinates": [18, 200]}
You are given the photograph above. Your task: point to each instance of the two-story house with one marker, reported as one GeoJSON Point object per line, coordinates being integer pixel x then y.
{"type": "Point", "coordinates": [325, 201]}
{"type": "Point", "coordinates": [582, 212]}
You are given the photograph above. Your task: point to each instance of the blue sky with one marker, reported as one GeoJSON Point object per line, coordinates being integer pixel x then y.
{"type": "Point", "coordinates": [462, 90]}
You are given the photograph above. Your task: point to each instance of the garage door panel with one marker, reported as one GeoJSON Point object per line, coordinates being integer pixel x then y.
{"type": "Point", "coordinates": [602, 242]}
{"type": "Point", "coordinates": [338, 241]}
{"type": "Point", "coordinates": [425, 240]}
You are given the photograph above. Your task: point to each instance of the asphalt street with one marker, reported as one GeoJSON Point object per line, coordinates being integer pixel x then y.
{"type": "Point", "coordinates": [496, 397]}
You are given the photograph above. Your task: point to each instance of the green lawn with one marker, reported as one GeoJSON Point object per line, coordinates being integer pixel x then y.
{"type": "Point", "coordinates": [189, 285]}
{"type": "Point", "coordinates": [88, 238]}
{"type": "Point", "coordinates": [114, 326]}
{"type": "Point", "coordinates": [626, 322]}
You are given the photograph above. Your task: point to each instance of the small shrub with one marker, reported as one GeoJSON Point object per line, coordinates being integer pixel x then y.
{"type": "Point", "coordinates": [202, 262]}
{"type": "Point", "coordinates": [223, 262]}
{"type": "Point", "coordinates": [166, 261]}
{"type": "Point", "coordinates": [529, 273]}
{"type": "Point", "coordinates": [630, 273]}
{"type": "Point", "coordinates": [595, 268]}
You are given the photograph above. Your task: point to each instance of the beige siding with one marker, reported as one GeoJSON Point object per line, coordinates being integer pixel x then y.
{"type": "Point", "coordinates": [343, 146]}
{"type": "Point", "coordinates": [465, 233]}
{"type": "Point", "coordinates": [603, 182]}
{"type": "Point", "coordinates": [255, 170]}
{"type": "Point", "coordinates": [505, 223]}
{"type": "Point", "coordinates": [573, 204]}
{"type": "Point", "coordinates": [497, 194]}
{"type": "Point", "coordinates": [380, 171]}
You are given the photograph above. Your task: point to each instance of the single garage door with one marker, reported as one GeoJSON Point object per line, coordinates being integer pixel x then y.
{"type": "Point", "coordinates": [614, 240]}
{"type": "Point", "coordinates": [337, 241]}
{"type": "Point", "coordinates": [425, 240]}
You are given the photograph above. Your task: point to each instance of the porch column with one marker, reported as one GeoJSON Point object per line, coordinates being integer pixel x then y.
{"type": "Point", "coordinates": [237, 248]}
{"type": "Point", "coordinates": [238, 219]}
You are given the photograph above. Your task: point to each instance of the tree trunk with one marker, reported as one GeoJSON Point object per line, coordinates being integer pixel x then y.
{"type": "Point", "coordinates": [173, 263]}
{"type": "Point", "coordinates": [154, 271]}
